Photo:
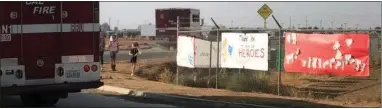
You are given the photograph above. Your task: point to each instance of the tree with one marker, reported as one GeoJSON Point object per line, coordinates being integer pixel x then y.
{"type": "Point", "coordinates": [115, 29]}
{"type": "Point", "coordinates": [220, 26]}
{"type": "Point", "coordinates": [378, 29]}
{"type": "Point", "coordinates": [105, 27]}
{"type": "Point", "coordinates": [315, 27]}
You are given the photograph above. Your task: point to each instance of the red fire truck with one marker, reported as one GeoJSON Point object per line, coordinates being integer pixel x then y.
{"type": "Point", "coordinates": [48, 49]}
{"type": "Point", "coordinates": [166, 23]}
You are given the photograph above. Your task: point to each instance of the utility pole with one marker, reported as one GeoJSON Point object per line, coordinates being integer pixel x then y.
{"type": "Point", "coordinates": [177, 34]}
{"type": "Point", "coordinates": [118, 24]}
{"type": "Point", "coordinates": [290, 22]}
{"type": "Point", "coordinates": [109, 24]}
{"type": "Point", "coordinates": [306, 22]}
{"type": "Point", "coordinates": [320, 24]}
{"type": "Point", "coordinates": [231, 23]}
{"type": "Point", "coordinates": [345, 24]}
{"type": "Point", "coordinates": [342, 26]}
{"type": "Point", "coordinates": [298, 26]}
{"type": "Point", "coordinates": [109, 21]}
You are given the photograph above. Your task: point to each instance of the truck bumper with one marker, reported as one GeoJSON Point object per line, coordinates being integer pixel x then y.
{"type": "Point", "coordinates": [68, 87]}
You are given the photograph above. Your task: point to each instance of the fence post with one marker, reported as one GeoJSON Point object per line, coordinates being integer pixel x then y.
{"type": "Point", "coordinates": [177, 35]}
{"type": "Point", "coordinates": [209, 69]}
{"type": "Point", "coordinates": [240, 70]}
{"type": "Point", "coordinates": [279, 66]}
{"type": "Point", "coordinates": [217, 60]}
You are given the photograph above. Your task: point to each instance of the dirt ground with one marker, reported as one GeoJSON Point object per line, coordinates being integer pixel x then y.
{"type": "Point", "coordinates": [125, 44]}
{"type": "Point", "coordinates": [362, 92]}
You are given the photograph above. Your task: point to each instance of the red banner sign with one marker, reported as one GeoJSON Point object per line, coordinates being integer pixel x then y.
{"type": "Point", "coordinates": [338, 54]}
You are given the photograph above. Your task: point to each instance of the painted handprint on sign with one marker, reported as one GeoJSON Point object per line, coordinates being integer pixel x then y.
{"type": "Point", "coordinates": [340, 54]}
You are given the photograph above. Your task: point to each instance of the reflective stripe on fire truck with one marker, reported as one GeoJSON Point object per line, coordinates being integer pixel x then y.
{"type": "Point", "coordinates": [53, 28]}
{"type": "Point", "coordinates": [9, 62]}
{"type": "Point", "coordinates": [77, 58]}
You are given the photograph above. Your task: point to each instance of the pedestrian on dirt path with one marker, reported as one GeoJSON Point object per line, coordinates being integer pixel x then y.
{"type": "Point", "coordinates": [134, 58]}
{"type": "Point", "coordinates": [101, 49]}
{"type": "Point", "coordinates": [113, 47]}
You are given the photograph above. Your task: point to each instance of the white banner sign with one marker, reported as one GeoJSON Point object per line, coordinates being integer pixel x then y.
{"type": "Point", "coordinates": [185, 52]}
{"type": "Point", "coordinates": [249, 51]}
{"type": "Point", "coordinates": [202, 53]}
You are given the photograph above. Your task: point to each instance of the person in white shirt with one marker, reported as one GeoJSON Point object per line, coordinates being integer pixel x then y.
{"type": "Point", "coordinates": [113, 51]}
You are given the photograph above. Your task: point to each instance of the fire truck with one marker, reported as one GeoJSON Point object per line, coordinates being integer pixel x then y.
{"type": "Point", "coordinates": [48, 49]}
{"type": "Point", "coordinates": [166, 24]}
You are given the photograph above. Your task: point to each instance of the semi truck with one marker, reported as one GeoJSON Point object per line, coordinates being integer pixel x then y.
{"type": "Point", "coordinates": [48, 49]}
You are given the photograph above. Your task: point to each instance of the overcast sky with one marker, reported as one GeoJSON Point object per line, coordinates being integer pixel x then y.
{"type": "Point", "coordinates": [365, 14]}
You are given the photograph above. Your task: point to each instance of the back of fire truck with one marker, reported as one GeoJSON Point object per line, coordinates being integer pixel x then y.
{"type": "Point", "coordinates": [48, 49]}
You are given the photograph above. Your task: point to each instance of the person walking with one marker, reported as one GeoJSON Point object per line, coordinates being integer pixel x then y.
{"type": "Point", "coordinates": [133, 60]}
{"type": "Point", "coordinates": [102, 49]}
{"type": "Point", "coordinates": [113, 51]}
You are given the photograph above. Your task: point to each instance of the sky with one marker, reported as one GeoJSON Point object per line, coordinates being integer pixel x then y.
{"type": "Point", "coordinates": [244, 14]}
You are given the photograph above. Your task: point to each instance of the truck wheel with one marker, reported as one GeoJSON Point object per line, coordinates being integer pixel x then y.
{"type": "Point", "coordinates": [39, 100]}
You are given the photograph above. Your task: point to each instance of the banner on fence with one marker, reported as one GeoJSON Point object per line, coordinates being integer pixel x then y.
{"type": "Point", "coordinates": [185, 52]}
{"type": "Point", "coordinates": [202, 53]}
{"type": "Point", "coordinates": [339, 54]}
{"type": "Point", "coordinates": [249, 51]}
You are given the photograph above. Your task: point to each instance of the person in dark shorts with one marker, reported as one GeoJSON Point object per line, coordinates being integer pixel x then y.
{"type": "Point", "coordinates": [113, 51]}
{"type": "Point", "coordinates": [133, 60]}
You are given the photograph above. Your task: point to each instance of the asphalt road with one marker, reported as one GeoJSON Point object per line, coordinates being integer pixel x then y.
{"type": "Point", "coordinates": [146, 54]}
{"type": "Point", "coordinates": [89, 100]}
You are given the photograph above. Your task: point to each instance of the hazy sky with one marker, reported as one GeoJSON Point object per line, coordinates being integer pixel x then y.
{"type": "Point", "coordinates": [365, 14]}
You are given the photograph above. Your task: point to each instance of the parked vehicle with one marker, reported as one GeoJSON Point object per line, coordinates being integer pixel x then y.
{"type": "Point", "coordinates": [48, 49]}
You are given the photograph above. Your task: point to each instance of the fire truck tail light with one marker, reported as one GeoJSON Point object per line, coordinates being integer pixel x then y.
{"type": "Point", "coordinates": [94, 68]}
{"type": "Point", "coordinates": [19, 74]}
{"type": "Point", "coordinates": [86, 68]}
{"type": "Point", "coordinates": [60, 71]}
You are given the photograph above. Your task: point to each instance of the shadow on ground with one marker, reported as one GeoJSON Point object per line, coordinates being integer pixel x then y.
{"type": "Point", "coordinates": [145, 100]}
{"type": "Point", "coordinates": [274, 102]}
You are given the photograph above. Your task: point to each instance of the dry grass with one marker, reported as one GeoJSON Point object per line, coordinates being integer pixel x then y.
{"type": "Point", "coordinates": [163, 71]}
{"type": "Point", "coordinates": [166, 76]}
{"type": "Point", "coordinates": [294, 84]}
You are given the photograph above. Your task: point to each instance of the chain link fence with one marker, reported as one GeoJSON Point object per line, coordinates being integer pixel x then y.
{"type": "Point", "coordinates": [275, 80]}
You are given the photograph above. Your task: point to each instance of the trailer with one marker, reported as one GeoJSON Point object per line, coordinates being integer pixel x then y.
{"type": "Point", "coordinates": [166, 24]}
